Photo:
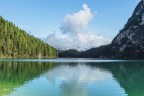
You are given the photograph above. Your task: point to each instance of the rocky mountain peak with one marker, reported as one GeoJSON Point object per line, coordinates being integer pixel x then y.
{"type": "Point", "coordinates": [130, 39]}
{"type": "Point", "coordinates": [139, 9]}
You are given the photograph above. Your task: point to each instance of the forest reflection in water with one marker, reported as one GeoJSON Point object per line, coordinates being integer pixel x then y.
{"type": "Point", "coordinates": [71, 79]}
{"type": "Point", "coordinates": [15, 74]}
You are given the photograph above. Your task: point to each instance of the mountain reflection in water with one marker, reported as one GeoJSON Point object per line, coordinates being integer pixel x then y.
{"type": "Point", "coordinates": [71, 79]}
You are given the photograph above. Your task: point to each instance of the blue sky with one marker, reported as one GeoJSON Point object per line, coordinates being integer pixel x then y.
{"type": "Point", "coordinates": [41, 17]}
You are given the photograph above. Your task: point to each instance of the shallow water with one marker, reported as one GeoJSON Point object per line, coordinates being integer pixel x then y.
{"type": "Point", "coordinates": [71, 77]}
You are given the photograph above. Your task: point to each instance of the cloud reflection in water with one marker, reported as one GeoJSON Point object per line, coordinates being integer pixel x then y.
{"type": "Point", "coordinates": [75, 79]}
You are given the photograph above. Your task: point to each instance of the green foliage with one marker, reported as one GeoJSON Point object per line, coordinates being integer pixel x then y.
{"type": "Point", "coordinates": [16, 43]}
{"type": "Point", "coordinates": [99, 52]}
{"type": "Point", "coordinates": [72, 53]}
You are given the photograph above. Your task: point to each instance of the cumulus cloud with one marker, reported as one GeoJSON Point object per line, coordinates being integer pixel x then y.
{"type": "Point", "coordinates": [77, 22]}
{"type": "Point", "coordinates": [75, 34]}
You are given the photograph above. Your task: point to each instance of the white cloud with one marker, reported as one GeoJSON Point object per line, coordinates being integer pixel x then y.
{"type": "Point", "coordinates": [77, 22]}
{"type": "Point", "coordinates": [74, 32]}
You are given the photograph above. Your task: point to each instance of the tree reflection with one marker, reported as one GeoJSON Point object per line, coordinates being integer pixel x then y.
{"type": "Point", "coordinates": [73, 79]}
{"type": "Point", "coordinates": [129, 75]}
{"type": "Point", "coordinates": [15, 74]}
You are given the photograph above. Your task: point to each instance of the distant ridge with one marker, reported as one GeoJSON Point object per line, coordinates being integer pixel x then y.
{"type": "Point", "coordinates": [16, 43]}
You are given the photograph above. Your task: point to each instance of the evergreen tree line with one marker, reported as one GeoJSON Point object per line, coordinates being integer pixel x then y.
{"type": "Point", "coordinates": [99, 52]}
{"type": "Point", "coordinates": [103, 52]}
{"type": "Point", "coordinates": [16, 43]}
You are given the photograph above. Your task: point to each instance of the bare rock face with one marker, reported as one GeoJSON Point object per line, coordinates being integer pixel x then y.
{"type": "Point", "coordinates": [129, 43]}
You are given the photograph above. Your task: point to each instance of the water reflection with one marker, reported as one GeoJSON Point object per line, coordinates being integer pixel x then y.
{"type": "Point", "coordinates": [130, 75]}
{"type": "Point", "coordinates": [79, 73]}
{"type": "Point", "coordinates": [15, 74]}
{"type": "Point", "coordinates": [78, 79]}
{"type": "Point", "coordinates": [71, 79]}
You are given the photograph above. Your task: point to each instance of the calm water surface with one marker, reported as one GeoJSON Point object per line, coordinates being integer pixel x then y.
{"type": "Point", "coordinates": [71, 77]}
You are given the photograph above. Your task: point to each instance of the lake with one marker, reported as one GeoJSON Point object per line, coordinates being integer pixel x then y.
{"type": "Point", "coordinates": [71, 77]}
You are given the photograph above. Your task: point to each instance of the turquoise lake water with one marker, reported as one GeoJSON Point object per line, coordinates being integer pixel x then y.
{"type": "Point", "coordinates": [71, 77]}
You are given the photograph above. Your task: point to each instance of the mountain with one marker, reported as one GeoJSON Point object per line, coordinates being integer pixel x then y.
{"type": "Point", "coordinates": [129, 43]}
{"type": "Point", "coordinates": [99, 52]}
{"type": "Point", "coordinates": [71, 53]}
{"type": "Point", "coordinates": [16, 43]}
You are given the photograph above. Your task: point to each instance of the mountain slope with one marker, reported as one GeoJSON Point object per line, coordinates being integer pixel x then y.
{"type": "Point", "coordinates": [129, 43]}
{"type": "Point", "coordinates": [71, 53]}
{"type": "Point", "coordinates": [16, 43]}
{"type": "Point", "coordinates": [99, 52]}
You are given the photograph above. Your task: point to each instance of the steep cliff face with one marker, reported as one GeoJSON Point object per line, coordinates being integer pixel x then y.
{"type": "Point", "coordinates": [129, 43]}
